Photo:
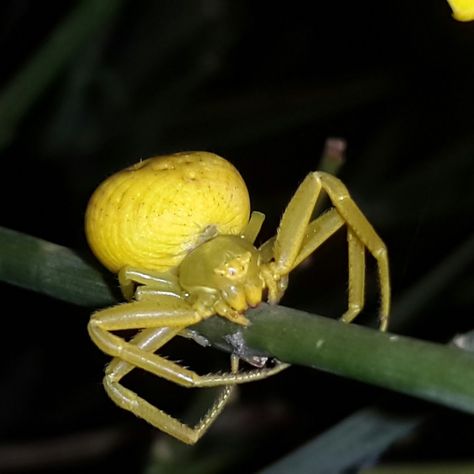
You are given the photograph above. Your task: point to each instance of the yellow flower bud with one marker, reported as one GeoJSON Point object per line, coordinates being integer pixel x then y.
{"type": "Point", "coordinates": [463, 10]}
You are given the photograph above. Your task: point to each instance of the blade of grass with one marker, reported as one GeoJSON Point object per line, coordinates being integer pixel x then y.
{"type": "Point", "coordinates": [52, 269]}
{"type": "Point", "coordinates": [430, 371]}
{"type": "Point", "coordinates": [362, 435]}
{"type": "Point", "coordinates": [30, 82]}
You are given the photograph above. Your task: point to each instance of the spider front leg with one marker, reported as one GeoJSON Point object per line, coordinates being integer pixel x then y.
{"type": "Point", "coordinates": [151, 340]}
{"type": "Point", "coordinates": [152, 314]}
{"type": "Point", "coordinates": [162, 319]}
{"type": "Point", "coordinates": [297, 238]}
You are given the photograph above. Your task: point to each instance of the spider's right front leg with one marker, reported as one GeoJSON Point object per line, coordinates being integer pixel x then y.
{"type": "Point", "coordinates": [176, 314]}
{"type": "Point", "coordinates": [147, 342]}
{"type": "Point", "coordinates": [151, 340]}
{"type": "Point", "coordinates": [162, 320]}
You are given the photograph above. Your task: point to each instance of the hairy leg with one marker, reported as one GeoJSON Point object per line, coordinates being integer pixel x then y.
{"type": "Point", "coordinates": [130, 401]}
{"type": "Point", "coordinates": [364, 231]}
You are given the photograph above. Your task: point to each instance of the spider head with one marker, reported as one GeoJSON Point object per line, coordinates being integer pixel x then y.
{"type": "Point", "coordinates": [228, 265]}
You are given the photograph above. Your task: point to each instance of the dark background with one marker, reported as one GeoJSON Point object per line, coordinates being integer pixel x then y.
{"type": "Point", "coordinates": [262, 84]}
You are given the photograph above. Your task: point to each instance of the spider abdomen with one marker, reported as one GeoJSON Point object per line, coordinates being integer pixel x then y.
{"type": "Point", "coordinates": [153, 213]}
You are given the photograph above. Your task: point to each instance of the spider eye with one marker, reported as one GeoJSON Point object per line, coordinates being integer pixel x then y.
{"type": "Point", "coordinates": [229, 271]}
{"type": "Point", "coordinates": [234, 267]}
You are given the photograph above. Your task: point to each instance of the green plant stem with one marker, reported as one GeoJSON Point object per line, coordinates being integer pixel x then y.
{"type": "Point", "coordinates": [442, 374]}
{"type": "Point", "coordinates": [30, 82]}
{"type": "Point", "coordinates": [51, 269]}
{"type": "Point", "coordinates": [435, 372]}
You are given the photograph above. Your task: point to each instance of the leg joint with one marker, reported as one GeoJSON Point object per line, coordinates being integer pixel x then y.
{"type": "Point", "coordinates": [381, 252]}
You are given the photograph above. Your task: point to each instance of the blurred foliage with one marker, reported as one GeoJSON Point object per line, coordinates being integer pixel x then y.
{"type": "Point", "coordinates": [87, 87]}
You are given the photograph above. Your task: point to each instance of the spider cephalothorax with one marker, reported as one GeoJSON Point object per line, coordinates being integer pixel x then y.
{"type": "Point", "coordinates": [227, 270]}
{"type": "Point", "coordinates": [177, 231]}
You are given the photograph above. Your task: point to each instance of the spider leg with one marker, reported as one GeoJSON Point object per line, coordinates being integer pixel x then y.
{"type": "Point", "coordinates": [266, 249]}
{"type": "Point", "coordinates": [151, 340]}
{"type": "Point", "coordinates": [292, 233]}
{"type": "Point", "coordinates": [320, 230]}
{"type": "Point", "coordinates": [297, 238]}
{"type": "Point", "coordinates": [356, 257]}
{"type": "Point", "coordinates": [147, 314]}
{"type": "Point", "coordinates": [129, 400]}
{"type": "Point", "coordinates": [253, 227]}
{"type": "Point", "coordinates": [165, 282]}
{"type": "Point", "coordinates": [361, 230]}
{"type": "Point", "coordinates": [139, 352]}
{"type": "Point", "coordinates": [317, 232]}
{"type": "Point", "coordinates": [294, 224]}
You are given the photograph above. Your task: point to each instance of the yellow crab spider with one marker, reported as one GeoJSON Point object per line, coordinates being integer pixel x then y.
{"type": "Point", "coordinates": [178, 231]}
